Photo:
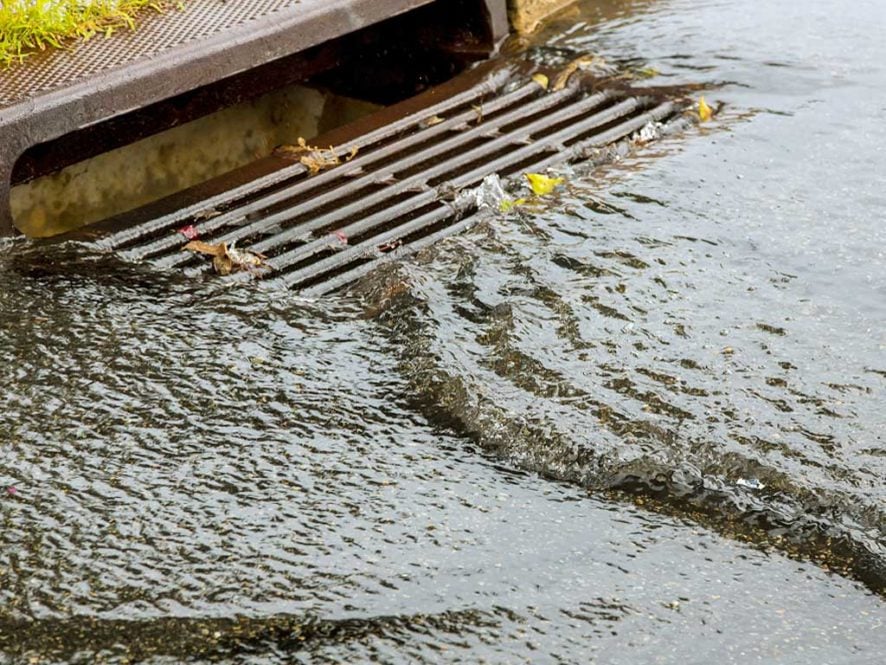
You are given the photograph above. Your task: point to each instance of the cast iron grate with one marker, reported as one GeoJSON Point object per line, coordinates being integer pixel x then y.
{"type": "Point", "coordinates": [396, 195]}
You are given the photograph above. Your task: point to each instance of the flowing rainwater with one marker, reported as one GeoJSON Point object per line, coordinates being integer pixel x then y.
{"type": "Point", "coordinates": [643, 422]}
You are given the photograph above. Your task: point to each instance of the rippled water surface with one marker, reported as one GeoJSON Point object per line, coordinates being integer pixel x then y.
{"type": "Point", "coordinates": [644, 423]}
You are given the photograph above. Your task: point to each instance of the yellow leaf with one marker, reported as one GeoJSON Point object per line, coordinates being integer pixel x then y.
{"type": "Point", "coordinates": [541, 79]}
{"type": "Point", "coordinates": [704, 111]}
{"type": "Point", "coordinates": [507, 204]}
{"type": "Point", "coordinates": [542, 184]}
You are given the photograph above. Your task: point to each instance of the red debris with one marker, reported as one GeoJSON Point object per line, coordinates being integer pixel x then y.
{"type": "Point", "coordinates": [11, 491]}
{"type": "Point", "coordinates": [190, 232]}
{"type": "Point", "coordinates": [342, 237]}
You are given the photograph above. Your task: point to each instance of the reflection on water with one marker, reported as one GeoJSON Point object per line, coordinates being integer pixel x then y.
{"type": "Point", "coordinates": [643, 424]}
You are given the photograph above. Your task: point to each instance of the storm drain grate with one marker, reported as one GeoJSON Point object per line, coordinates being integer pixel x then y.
{"type": "Point", "coordinates": [395, 194]}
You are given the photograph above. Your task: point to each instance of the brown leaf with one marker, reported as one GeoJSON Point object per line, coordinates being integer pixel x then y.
{"type": "Point", "coordinates": [313, 158]}
{"type": "Point", "coordinates": [201, 247]}
{"type": "Point", "coordinates": [226, 258]}
{"type": "Point", "coordinates": [223, 265]}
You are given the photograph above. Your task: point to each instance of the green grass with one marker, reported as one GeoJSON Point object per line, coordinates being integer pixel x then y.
{"type": "Point", "coordinates": [27, 26]}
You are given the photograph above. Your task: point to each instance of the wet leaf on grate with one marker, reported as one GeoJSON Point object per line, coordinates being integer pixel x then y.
{"type": "Point", "coordinates": [316, 162]}
{"type": "Point", "coordinates": [430, 122]}
{"type": "Point", "coordinates": [542, 184]}
{"type": "Point", "coordinates": [314, 158]}
{"type": "Point", "coordinates": [507, 205]}
{"type": "Point", "coordinates": [704, 111]}
{"type": "Point", "coordinates": [226, 258]}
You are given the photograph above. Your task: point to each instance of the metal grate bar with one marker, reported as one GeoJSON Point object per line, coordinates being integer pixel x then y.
{"type": "Point", "coordinates": [582, 149]}
{"type": "Point", "coordinates": [367, 248]}
{"type": "Point", "coordinates": [343, 279]}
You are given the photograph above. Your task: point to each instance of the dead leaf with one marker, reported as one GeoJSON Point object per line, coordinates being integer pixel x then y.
{"type": "Point", "coordinates": [201, 247]}
{"type": "Point", "coordinates": [313, 158]}
{"type": "Point", "coordinates": [318, 161]}
{"type": "Point", "coordinates": [353, 153]}
{"type": "Point", "coordinates": [292, 150]}
{"type": "Point", "coordinates": [226, 258]}
{"type": "Point", "coordinates": [243, 258]}
{"type": "Point", "coordinates": [430, 122]}
{"type": "Point", "coordinates": [541, 79]}
{"type": "Point", "coordinates": [478, 109]}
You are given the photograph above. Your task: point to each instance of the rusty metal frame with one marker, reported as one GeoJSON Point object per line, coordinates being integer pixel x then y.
{"type": "Point", "coordinates": [32, 118]}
